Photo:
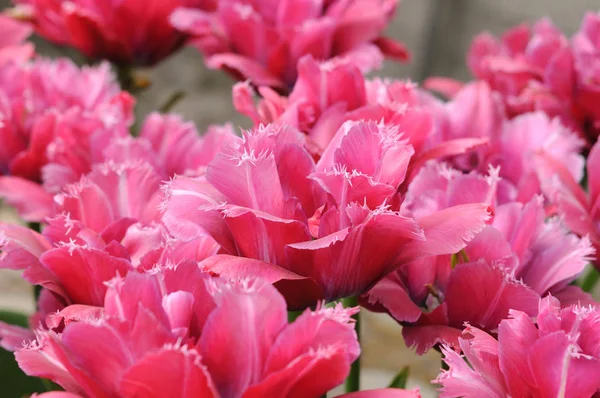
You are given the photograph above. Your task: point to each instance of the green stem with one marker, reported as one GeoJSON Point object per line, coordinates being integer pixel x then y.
{"type": "Point", "coordinates": [125, 77]}
{"type": "Point", "coordinates": [172, 101]}
{"type": "Point", "coordinates": [353, 380]}
{"type": "Point", "coordinates": [37, 289]}
{"type": "Point", "coordinates": [590, 279]}
{"type": "Point", "coordinates": [293, 315]}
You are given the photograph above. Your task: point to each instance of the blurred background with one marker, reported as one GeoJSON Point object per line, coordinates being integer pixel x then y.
{"type": "Point", "coordinates": [438, 34]}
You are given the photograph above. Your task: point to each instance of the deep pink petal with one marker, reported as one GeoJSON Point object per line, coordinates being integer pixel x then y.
{"type": "Point", "coordinates": [310, 356]}
{"type": "Point", "coordinates": [258, 313]}
{"type": "Point", "coordinates": [82, 272]}
{"type": "Point", "coordinates": [299, 291]}
{"type": "Point", "coordinates": [491, 295]}
{"type": "Point", "coordinates": [171, 372]}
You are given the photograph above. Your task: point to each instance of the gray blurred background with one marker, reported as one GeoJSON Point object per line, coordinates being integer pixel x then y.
{"type": "Point", "coordinates": [437, 32]}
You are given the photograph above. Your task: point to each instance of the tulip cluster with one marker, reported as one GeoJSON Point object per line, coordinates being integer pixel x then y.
{"type": "Point", "coordinates": [539, 68]}
{"type": "Point", "coordinates": [169, 263]}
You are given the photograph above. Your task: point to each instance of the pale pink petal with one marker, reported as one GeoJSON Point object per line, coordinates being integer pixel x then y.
{"type": "Point", "coordinates": [14, 337]}
{"type": "Point", "coordinates": [462, 381]}
{"type": "Point", "coordinates": [384, 393]}
{"type": "Point", "coordinates": [447, 231]}
{"type": "Point", "coordinates": [445, 86]}
{"type": "Point", "coordinates": [31, 200]}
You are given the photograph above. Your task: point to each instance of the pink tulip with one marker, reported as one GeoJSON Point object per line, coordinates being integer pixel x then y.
{"type": "Point", "coordinates": [263, 41]}
{"type": "Point", "coordinates": [532, 68]}
{"type": "Point", "coordinates": [513, 261]}
{"type": "Point", "coordinates": [107, 224]}
{"type": "Point", "coordinates": [327, 94]}
{"type": "Point", "coordinates": [12, 35]}
{"type": "Point", "coordinates": [102, 30]}
{"type": "Point", "coordinates": [171, 145]}
{"type": "Point", "coordinates": [176, 332]}
{"type": "Point", "coordinates": [297, 223]}
{"type": "Point", "coordinates": [558, 357]}
{"type": "Point", "coordinates": [586, 52]}
{"type": "Point", "coordinates": [55, 113]}
{"type": "Point", "coordinates": [476, 112]}
{"type": "Point", "coordinates": [578, 208]}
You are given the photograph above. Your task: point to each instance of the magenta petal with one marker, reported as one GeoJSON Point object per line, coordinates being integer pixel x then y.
{"type": "Point", "coordinates": [248, 180]}
{"type": "Point", "coordinates": [299, 291]}
{"type": "Point", "coordinates": [171, 372]}
{"type": "Point", "coordinates": [448, 148]}
{"type": "Point", "coordinates": [73, 313]}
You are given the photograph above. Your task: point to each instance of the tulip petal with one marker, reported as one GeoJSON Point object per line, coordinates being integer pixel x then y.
{"type": "Point", "coordinates": [170, 372]}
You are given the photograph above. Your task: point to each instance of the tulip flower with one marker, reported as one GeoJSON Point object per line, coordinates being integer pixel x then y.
{"type": "Point", "coordinates": [54, 112]}
{"type": "Point", "coordinates": [105, 31]}
{"type": "Point", "coordinates": [476, 112]}
{"type": "Point", "coordinates": [325, 230]}
{"type": "Point", "coordinates": [263, 41]}
{"type": "Point", "coordinates": [556, 355]}
{"type": "Point", "coordinates": [516, 259]}
{"type": "Point", "coordinates": [178, 332]}
{"type": "Point", "coordinates": [578, 208]}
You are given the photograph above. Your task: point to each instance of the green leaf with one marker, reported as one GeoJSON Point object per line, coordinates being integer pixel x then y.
{"type": "Point", "coordinates": [589, 279]}
{"type": "Point", "coordinates": [14, 318]}
{"type": "Point", "coordinates": [400, 379]}
{"type": "Point", "coordinates": [14, 382]}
